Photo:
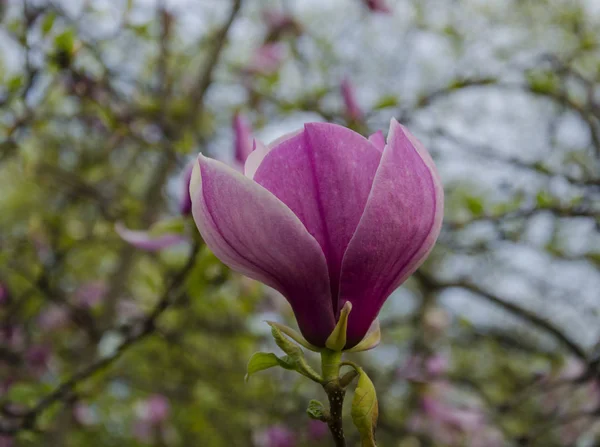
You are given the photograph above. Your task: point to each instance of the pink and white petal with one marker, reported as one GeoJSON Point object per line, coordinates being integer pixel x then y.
{"type": "Point", "coordinates": [400, 225]}
{"type": "Point", "coordinates": [378, 140]}
{"type": "Point", "coordinates": [324, 175]}
{"type": "Point", "coordinates": [144, 240]}
{"type": "Point", "coordinates": [254, 233]}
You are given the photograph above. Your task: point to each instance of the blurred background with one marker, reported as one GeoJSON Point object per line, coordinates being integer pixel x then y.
{"type": "Point", "coordinates": [119, 328]}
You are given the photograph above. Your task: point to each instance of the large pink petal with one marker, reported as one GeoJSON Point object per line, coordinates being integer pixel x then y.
{"type": "Point", "coordinates": [401, 222]}
{"type": "Point", "coordinates": [324, 174]}
{"type": "Point", "coordinates": [254, 233]}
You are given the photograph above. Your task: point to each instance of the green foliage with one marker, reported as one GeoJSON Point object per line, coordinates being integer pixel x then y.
{"type": "Point", "coordinates": [365, 409]}
{"type": "Point", "coordinates": [263, 360]}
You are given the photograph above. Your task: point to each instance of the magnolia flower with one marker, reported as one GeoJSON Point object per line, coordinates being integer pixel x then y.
{"type": "Point", "coordinates": [37, 359]}
{"type": "Point", "coordinates": [156, 409]}
{"type": "Point", "coordinates": [353, 110]}
{"type": "Point", "coordinates": [317, 430]}
{"type": "Point", "coordinates": [275, 436]}
{"type": "Point", "coordinates": [90, 294]}
{"type": "Point", "coordinates": [53, 317]}
{"type": "Point", "coordinates": [280, 23]}
{"type": "Point", "coordinates": [331, 220]}
{"type": "Point", "coordinates": [146, 240]}
{"type": "Point", "coordinates": [243, 141]}
{"type": "Point", "coordinates": [267, 59]}
{"type": "Point", "coordinates": [4, 296]}
{"type": "Point", "coordinates": [159, 240]}
{"type": "Point", "coordinates": [378, 6]}
{"type": "Point", "coordinates": [152, 414]}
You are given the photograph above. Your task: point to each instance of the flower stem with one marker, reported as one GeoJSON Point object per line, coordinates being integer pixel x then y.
{"type": "Point", "coordinates": [330, 365]}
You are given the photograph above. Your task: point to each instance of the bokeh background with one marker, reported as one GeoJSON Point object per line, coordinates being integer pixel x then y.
{"type": "Point", "coordinates": [105, 341]}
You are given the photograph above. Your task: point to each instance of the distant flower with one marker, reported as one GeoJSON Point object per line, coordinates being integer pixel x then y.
{"type": "Point", "coordinates": [353, 110]}
{"type": "Point", "coordinates": [90, 293]}
{"type": "Point", "coordinates": [152, 413]}
{"type": "Point", "coordinates": [267, 59]}
{"type": "Point", "coordinates": [4, 296]}
{"type": "Point", "coordinates": [378, 6]}
{"type": "Point", "coordinates": [276, 436]}
{"type": "Point", "coordinates": [83, 414]}
{"type": "Point", "coordinates": [243, 140]}
{"type": "Point", "coordinates": [146, 240]}
{"type": "Point", "coordinates": [436, 320]}
{"type": "Point", "coordinates": [6, 441]}
{"type": "Point", "coordinates": [156, 409]}
{"type": "Point", "coordinates": [324, 217]}
{"type": "Point", "coordinates": [37, 359]}
{"type": "Point", "coordinates": [280, 23]}
{"type": "Point", "coordinates": [53, 317]}
{"type": "Point", "coordinates": [436, 365]}
{"type": "Point", "coordinates": [317, 430]}
{"type": "Point", "coordinates": [185, 203]}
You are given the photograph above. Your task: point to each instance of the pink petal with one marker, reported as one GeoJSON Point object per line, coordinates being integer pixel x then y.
{"type": "Point", "coordinates": [146, 241]}
{"type": "Point", "coordinates": [378, 140]}
{"type": "Point", "coordinates": [324, 174]}
{"type": "Point", "coordinates": [353, 110]}
{"type": "Point", "coordinates": [401, 222]}
{"type": "Point", "coordinates": [243, 138]}
{"type": "Point", "coordinates": [260, 151]}
{"type": "Point", "coordinates": [254, 233]}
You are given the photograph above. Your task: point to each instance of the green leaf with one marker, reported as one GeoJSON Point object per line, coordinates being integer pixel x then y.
{"type": "Point", "coordinates": [386, 102]}
{"type": "Point", "coordinates": [294, 335]}
{"type": "Point", "coordinates": [65, 41]}
{"type": "Point", "coordinates": [475, 205]}
{"type": "Point", "coordinates": [14, 83]}
{"type": "Point", "coordinates": [296, 355]}
{"type": "Point", "coordinates": [265, 360]}
{"type": "Point", "coordinates": [365, 410]}
{"type": "Point", "coordinates": [175, 225]}
{"type": "Point", "coordinates": [544, 199]}
{"type": "Point", "coordinates": [316, 410]}
{"type": "Point", "coordinates": [337, 340]}
{"type": "Point", "coordinates": [48, 22]}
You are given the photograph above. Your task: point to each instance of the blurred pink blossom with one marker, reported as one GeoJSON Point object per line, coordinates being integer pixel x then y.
{"type": "Point", "coordinates": [243, 140]}
{"type": "Point", "coordinates": [90, 293]}
{"type": "Point", "coordinates": [275, 436]}
{"type": "Point", "coordinates": [53, 317]}
{"type": "Point", "coordinates": [378, 6]}
{"type": "Point", "coordinates": [279, 23]}
{"type": "Point", "coordinates": [83, 414]}
{"type": "Point", "coordinates": [37, 358]}
{"type": "Point", "coordinates": [146, 241]}
{"type": "Point", "coordinates": [4, 297]}
{"type": "Point", "coordinates": [423, 369]}
{"type": "Point", "coordinates": [317, 430]}
{"type": "Point", "coordinates": [266, 60]}
{"type": "Point", "coordinates": [156, 409]}
{"type": "Point", "coordinates": [353, 110]}
{"type": "Point", "coordinates": [436, 365]}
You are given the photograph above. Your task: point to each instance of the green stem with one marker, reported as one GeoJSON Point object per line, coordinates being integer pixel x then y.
{"type": "Point", "coordinates": [330, 365]}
